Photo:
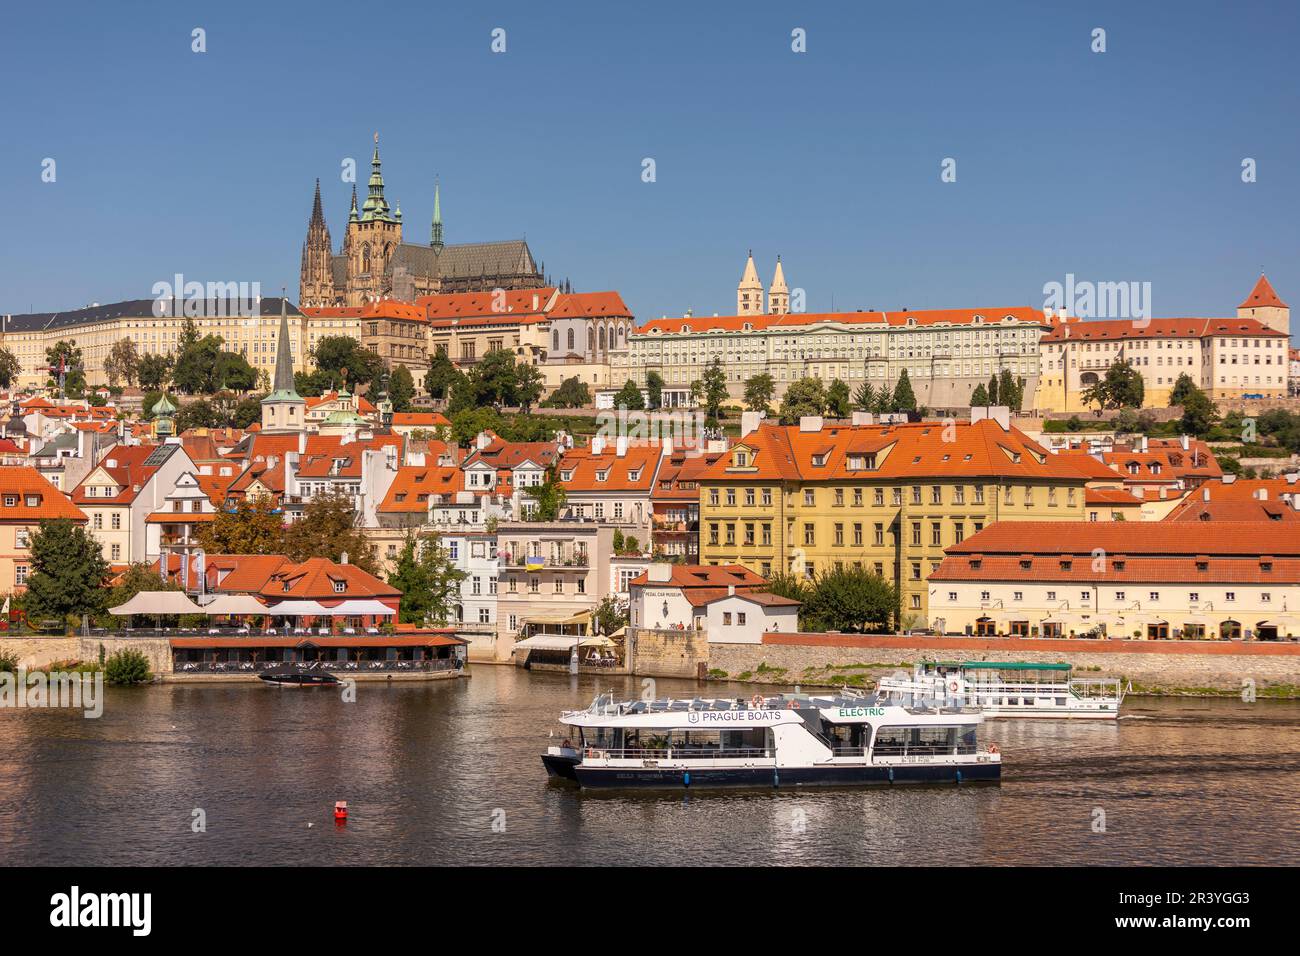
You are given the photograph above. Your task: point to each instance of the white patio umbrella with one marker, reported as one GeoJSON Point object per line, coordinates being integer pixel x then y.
{"type": "Point", "coordinates": [157, 602]}
{"type": "Point", "coordinates": [298, 609]}
{"type": "Point", "coordinates": [235, 604]}
{"type": "Point", "coordinates": [358, 607]}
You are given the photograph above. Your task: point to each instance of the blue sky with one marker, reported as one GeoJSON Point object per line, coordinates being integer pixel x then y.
{"type": "Point", "coordinates": [1124, 165]}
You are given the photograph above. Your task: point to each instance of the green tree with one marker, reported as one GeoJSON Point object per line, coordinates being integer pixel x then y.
{"type": "Point", "coordinates": [572, 393]}
{"type": "Point", "coordinates": [127, 666]}
{"type": "Point", "coordinates": [401, 389]}
{"type": "Point", "coordinates": [328, 529]}
{"type": "Point", "coordinates": [993, 390]}
{"type": "Point", "coordinates": [252, 527]}
{"type": "Point", "coordinates": [864, 399]}
{"type": "Point", "coordinates": [904, 399]}
{"type": "Point", "coordinates": [428, 580]}
{"type": "Point", "coordinates": [442, 375]}
{"type": "Point", "coordinates": [10, 368]}
{"type": "Point", "coordinates": [1183, 387]}
{"type": "Point", "coordinates": [122, 363]}
{"type": "Point", "coordinates": [1199, 412]}
{"type": "Point", "coordinates": [980, 397]}
{"type": "Point", "coordinates": [199, 414]}
{"type": "Point", "coordinates": [654, 387]}
{"type": "Point", "coordinates": [495, 378]}
{"type": "Point", "coordinates": [1121, 387]}
{"type": "Point", "coordinates": [758, 392]}
{"type": "Point", "coordinates": [466, 425]}
{"type": "Point", "coordinates": [247, 412]}
{"type": "Point", "coordinates": [714, 388]}
{"type": "Point", "coordinates": [153, 372]}
{"type": "Point", "coordinates": [629, 397]}
{"type": "Point", "coordinates": [1006, 389]}
{"type": "Point", "coordinates": [608, 616]}
{"type": "Point", "coordinates": [196, 365]}
{"type": "Point", "coordinates": [852, 600]}
{"type": "Point", "coordinates": [529, 384]}
{"type": "Point", "coordinates": [66, 355]}
{"type": "Point", "coordinates": [136, 578]}
{"type": "Point", "coordinates": [231, 370]}
{"type": "Point", "coordinates": [548, 497]}
{"type": "Point", "coordinates": [838, 402]}
{"type": "Point", "coordinates": [68, 571]}
{"type": "Point", "coordinates": [342, 360]}
{"type": "Point", "coordinates": [804, 397]}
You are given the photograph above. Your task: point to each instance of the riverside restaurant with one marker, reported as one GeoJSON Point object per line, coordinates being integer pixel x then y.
{"type": "Point", "coordinates": [409, 650]}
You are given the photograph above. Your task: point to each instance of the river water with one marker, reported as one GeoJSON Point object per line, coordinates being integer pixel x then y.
{"type": "Point", "coordinates": [449, 773]}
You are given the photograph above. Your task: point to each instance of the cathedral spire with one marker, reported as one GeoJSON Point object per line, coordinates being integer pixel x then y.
{"type": "Point", "coordinates": [282, 385]}
{"type": "Point", "coordinates": [352, 216]}
{"type": "Point", "coordinates": [749, 294]}
{"type": "Point", "coordinates": [435, 239]}
{"type": "Point", "coordinates": [376, 206]}
{"type": "Point", "coordinates": [317, 214]}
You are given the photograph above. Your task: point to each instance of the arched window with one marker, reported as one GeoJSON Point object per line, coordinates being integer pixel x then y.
{"type": "Point", "coordinates": [365, 257]}
{"type": "Point", "coordinates": [600, 338]}
{"type": "Point", "coordinates": [555, 340]}
{"type": "Point", "coordinates": [591, 339]}
{"type": "Point", "coordinates": [570, 340]}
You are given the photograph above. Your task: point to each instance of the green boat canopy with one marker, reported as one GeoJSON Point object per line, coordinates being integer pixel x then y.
{"type": "Point", "coordinates": [1002, 666]}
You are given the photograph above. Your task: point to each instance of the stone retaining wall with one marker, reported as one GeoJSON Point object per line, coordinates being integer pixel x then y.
{"type": "Point", "coordinates": [1152, 667]}
{"type": "Point", "coordinates": [42, 651]}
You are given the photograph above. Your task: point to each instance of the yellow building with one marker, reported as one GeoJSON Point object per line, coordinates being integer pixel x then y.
{"type": "Point", "coordinates": [26, 499]}
{"type": "Point", "coordinates": [811, 497]}
{"type": "Point", "coordinates": [97, 328]}
{"type": "Point", "coordinates": [1227, 358]}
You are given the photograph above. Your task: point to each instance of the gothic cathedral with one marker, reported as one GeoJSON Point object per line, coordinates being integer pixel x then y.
{"type": "Point", "coordinates": [375, 263]}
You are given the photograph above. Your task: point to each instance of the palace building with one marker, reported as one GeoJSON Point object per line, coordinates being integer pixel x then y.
{"type": "Point", "coordinates": [1227, 358]}
{"type": "Point", "coordinates": [374, 263]}
{"type": "Point", "coordinates": [887, 498]}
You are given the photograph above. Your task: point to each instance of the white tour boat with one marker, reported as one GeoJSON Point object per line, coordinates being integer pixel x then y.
{"type": "Point", "coordinates": [790, 740]}
{"type": "Point", "coordinates": [1008, 689]}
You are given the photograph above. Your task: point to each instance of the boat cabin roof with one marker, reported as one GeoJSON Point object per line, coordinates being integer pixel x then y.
{"type": "Point", "coordinates": [1000, 665]}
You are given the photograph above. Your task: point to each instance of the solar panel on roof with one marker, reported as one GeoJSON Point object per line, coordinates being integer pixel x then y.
{"type": "Point", "coordinates": [159, 455]}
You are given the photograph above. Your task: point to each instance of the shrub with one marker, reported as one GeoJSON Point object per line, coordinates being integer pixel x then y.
{"type": "Point", "coordinates": [8, 661]}
{"type": "Point", "coordinates": [127, 667]}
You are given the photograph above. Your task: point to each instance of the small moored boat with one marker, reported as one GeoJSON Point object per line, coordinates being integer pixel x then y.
{"type": "Point", "coordinates": [298, 679]}
{"type": "Point", "coordinates": [791, 740]}
{"type": "Point", "coordinates": [1008, 689]}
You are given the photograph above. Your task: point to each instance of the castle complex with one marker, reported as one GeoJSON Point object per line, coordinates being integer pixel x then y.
{"type": "Point", "coordinates": [374, 263]}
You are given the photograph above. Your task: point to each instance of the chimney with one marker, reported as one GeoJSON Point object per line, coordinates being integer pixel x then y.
{"type": "Point", "coordinates": [810, 423]}
{"type": "Point", "coordinates": [659, 573]}
{"type": "Point", "coordinates": [731, 590]}
{"type": "Point", "coordinates": [1002, 415]}
{"type": "Point", "coordinates": [863, 418]}
{"type": "Point", "coordinates": [482, 441]}
{"type": "Point", "coordinates": [978, 413]}
{"type": "Point", "coordinates": [1187, 442]}
{"type": "Point", "coordinates": [749, 422]}
{"type": "Point", "coordinates": [343, 558]}
{"type": "Point", "coordinates": [1205, 493]}
{"type": "Point", "coordinates": [1229, 479]}
{"type": "Point", "coordinates": [1261, 494]}
{"type": "Point", "coordinates": [1144, 444]}
{"type": "Point", "coordinates": [302, 443]}
{"type": "Point", "coordinates": [620, 446]}
{"type": "Point", "coordinates": [597, 444]}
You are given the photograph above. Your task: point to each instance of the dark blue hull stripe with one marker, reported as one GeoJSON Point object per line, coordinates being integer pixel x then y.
{"type": "Point", "coordinates": [608, 778]}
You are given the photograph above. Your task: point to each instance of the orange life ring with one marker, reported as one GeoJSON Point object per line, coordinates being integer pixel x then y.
{"type": "Point", "coordinates": [756, 702]}
{"type": "Point", "coordinates": [993, 748]}
{"type": "Point", "coordinates": [952, 686]}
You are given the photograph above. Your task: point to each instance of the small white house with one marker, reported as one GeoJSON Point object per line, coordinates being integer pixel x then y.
{"type": "Point", "coordinates": [744, 617]}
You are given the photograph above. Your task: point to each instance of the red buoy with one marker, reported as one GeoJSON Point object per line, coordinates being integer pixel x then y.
{"type": "Point", "coordinates": [341, 811]}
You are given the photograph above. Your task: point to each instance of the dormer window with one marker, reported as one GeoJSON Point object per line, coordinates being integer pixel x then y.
{"type": "Point", "coordinates": [566, 475]}
{"type": "Point", "coordinates": [634, 475]}
{"type": "Point", "coordinates": [740, 459]}
{"type": "Point", "coordinates": [602, 475]}
{"type": "Point", "coordinates": [819, 460]}
{"type": "Point", "coordinates": [340, 587]}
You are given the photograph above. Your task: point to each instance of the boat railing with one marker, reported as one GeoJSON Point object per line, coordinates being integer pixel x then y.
{"type": "Point", "coordinates": [678, 753]}
{"type": "Point", "coordinates": [1093, 687]}
{"type": "Point", "coordinates": [925, 750]}
{"type": "Point", "coordinates": [308, 667]}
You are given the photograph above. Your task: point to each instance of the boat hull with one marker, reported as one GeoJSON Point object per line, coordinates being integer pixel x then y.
{"type": "Point", "coordinates": [779, 778]}
{"type": "Point", "coordinates": [559, 765]}
{"type": "Point", "coordinates": [299, 680]}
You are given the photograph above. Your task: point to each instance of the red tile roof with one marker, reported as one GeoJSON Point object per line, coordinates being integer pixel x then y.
{"type": "Point", "coordinates": [315, 579]}
{"type": "Point", "coordinates": [414, 484]}
{"type": "Point", "coordinates": [420, 419]}
{"type": "Point", "coordinates": [1263, 296]}
{"type": "Point", "coordinates": [915, 450]}
{"type": "Point", "coordinates": [582, 471]}
{"type": "Point", "coordinates": [704, 575]}
{"type": "Point", "coordinates": [125, 465]}
{"type": "Point", "coordinates": [1089, 330]}
{"type": "Point", "coordinates": [23, 483]}
{"type": "Point", "coordinates": [738, 323]}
